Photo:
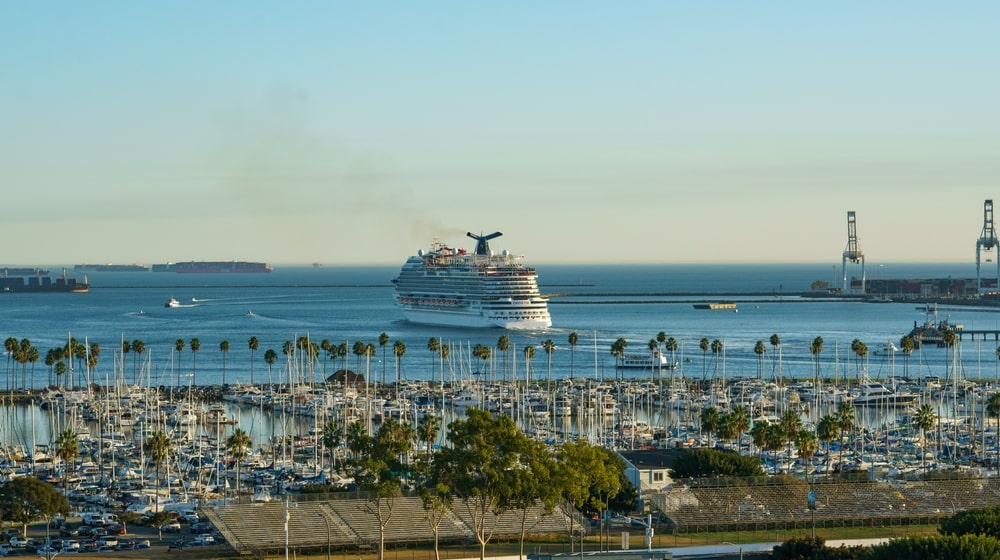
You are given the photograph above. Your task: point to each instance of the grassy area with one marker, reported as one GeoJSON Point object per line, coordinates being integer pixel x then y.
{"type": "Point", "coordinates": [636, 541]}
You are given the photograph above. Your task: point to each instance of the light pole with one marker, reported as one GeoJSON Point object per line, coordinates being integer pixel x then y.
{"type": "Point", "coordinates": [327, 522]}
{"type": "Point", "coordinates": [736, 545]}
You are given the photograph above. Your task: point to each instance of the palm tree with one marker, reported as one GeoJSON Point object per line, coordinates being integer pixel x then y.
{"type": "Point", "coordinates": [815, 349]}
{"type": "Point", "coordinates": [529, 355]}
{"type": "Point", "coordinates": [67, 449]}
{"type": "Point", "coordinates": [618, 351]}
{"type": "Point", "coordinates": [434, 347]}
{"type": "Point", "coordinates": [399, 350]}
{"type": "Point", "coordinates": [157, 448]}
{"type": "Point", "coordinates": [791, 424]}
{"type": "Point", "coordinates": [760, 349]}
{"type": "Point", "coordinates": [907, 346]}
{"type": "Point", "coordinates": [195, 347]}
{"type": "Point", "coordinates": [270, 357]}
{"type": "Point", "coordinates": [827, 430]}
{"type": "Point", "coordinates": [503, 346]}
{"type": "Point", "coordinates": [845, 420]}
{"type": "Point", "coordinates": [716, 350]}
{"type": "Point", "coordinates": [238, 446]}
{"type": "Point", "coordinates": [428, 429]}
{"type": "Point", "coordinates": [253, 344]}
{"type": "Point", "coordinates": [805, 444]}
{"type": "Point", "coordinates": [138, 349]}
{"type": "Point", "coordinates": [383, 340]}
{"type": "Point", "coordinates": [179, 347]}
{"type": "Point", "coordinates": [710, 421]}
{"type": "Point", "coordinates": [671, 346]}
{"type": "Point", "coordinates": [776, 344]}
{"type": "Point", "coordinates": [704, 344]}
{"type": "Point", "coordinates": [993, 411]}
{"type": "Point", "coordinates": [333, 434]}
{"type": "Point", "coordinates": [572, 339]}
{"type": "Point", "coordinates": [758, 434]}
{"type": "Point", "coordinates": [924, 419]}
{"type": "Point", "coordinates": [224, 348]}
{"type": "Point", "coordinates": [549, 346]}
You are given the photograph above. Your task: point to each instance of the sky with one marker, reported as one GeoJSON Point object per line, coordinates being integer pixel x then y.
{"type": "Point", "coordinates": [586, 131]}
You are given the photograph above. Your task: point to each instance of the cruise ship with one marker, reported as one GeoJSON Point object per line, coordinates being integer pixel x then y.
{"type": "Point", "coordinates": [452, 287]}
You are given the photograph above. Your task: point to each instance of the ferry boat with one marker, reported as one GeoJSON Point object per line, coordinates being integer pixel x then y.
{"type": "Point", "coordinates": [452, 287]}
{"type": "Point", "coordinates": [654, 360]}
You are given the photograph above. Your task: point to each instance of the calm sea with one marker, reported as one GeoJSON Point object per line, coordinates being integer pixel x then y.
{"type": "Point", "coordinates": [599, 303]}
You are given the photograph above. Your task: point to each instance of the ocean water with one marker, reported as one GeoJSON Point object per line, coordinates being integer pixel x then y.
{"type": "Point", "coordinates": [600, 303]}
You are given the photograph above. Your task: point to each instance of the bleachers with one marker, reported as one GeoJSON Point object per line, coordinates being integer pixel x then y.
{"type": "Point", "coordinates": [352, 524]}
{"type": "Point", "coordinates": [699, 507]}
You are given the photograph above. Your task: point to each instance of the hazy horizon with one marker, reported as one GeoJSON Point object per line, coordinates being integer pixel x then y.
{"type": "Point", "coordinates": [587, 131]}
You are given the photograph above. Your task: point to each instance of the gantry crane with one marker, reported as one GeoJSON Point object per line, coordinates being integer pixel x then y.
{"type": "Point", "coordinates": [987, 241]}
{"type": "Point", "coordinates": [853, 252]}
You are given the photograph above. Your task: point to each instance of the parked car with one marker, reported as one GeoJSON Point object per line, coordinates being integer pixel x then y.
{"type": "Point", "coordinates": [201, 527]}
{"type": "Point", "coordinates": [203, 539]}
{"type": "Point", "coordinates": [69, 531]}
{"type": "Point", "coordinates": [18, 542]}
{"type": "Point", "coordinates": [171, 527]}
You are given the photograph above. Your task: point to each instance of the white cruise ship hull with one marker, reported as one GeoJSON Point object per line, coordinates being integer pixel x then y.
{"type": "Point", "coordinates": [473, 320]}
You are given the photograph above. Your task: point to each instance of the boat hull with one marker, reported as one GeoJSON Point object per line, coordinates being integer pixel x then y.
{"type": "Point", "coordinates": [471, 320]}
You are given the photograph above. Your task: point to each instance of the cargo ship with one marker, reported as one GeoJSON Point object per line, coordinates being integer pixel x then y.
{"type": "Point", "coordinates": [111, 267]}
{"type": "Point", "coordinates": [452, 287]}
{"type": "Point", "coordinates": [716, 305]}
{"type": "Point", "coordinates": [41, 283]}
{"type": "Point", "coordinates": [214, 267]}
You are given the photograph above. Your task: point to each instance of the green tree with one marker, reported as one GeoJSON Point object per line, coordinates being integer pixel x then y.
{"type": "Point", "coordinates": [377, 469]}
{"type": "Point", "coordinates": [332, 436]}
{"type": "Point", "coordinates": [775, 341]}
{"type": "Point", "coordinates": [138, 349]}
{"type": "Point", "coordinates": [966, 547]}
{"type": "Point", "coordinates": [157, 447]}
{"type": "Point", "coordinates": [710, 419]}
{"type": "Point", "coordinates": [428, 429]}
{"type": "Point", "coordinates": [993, 411]}
{"type": "Point", "coordinates": [978, 521]}
{"type": "Point", "coordinates": [253, 344]}
{"type": "Point", "coordinates": [845, 419]}
{"type": "Point", "coordinates": [924, 419]}
{"type": "Point", "coordinates": [827, 430]}
{"type": "Point", "coordinates": [906, 345]}
{"type": "Point", "coordinates": [26, 499]}
{"type": "Point", "coordinates": [270, 357]}
{"type": "Point", "coordinates": [503, 346]}
{"type": "Point", "coordinates": [67, 449]}
{"type": "Point", "coordinates": [238, 446]}
{"type": "Point", "coordinates": [476, 465]}
{"type": "Point", "coordinates": [704, 345]}
{"type": "Point", "coordinates": [573, 340]}
{"type": "Point", "coordinates": [588, 477]}
{"type": "Point", "coordinates": [383, 341]}
{"type": "Point", "coordinates": [398, 351]}
{"type": "Point", "coordinates": [706, 462]}
{"type": "Point", "coordinates": [224, 348]}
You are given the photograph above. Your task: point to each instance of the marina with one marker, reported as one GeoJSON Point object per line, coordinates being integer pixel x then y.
{"type": "Point", "coordinates": [575, 391]}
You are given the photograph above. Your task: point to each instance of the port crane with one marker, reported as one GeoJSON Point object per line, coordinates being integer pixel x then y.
{"type": "Point", "coordinates": [987, 241]}
{"type": "Point", "coordinates": [853, 252]}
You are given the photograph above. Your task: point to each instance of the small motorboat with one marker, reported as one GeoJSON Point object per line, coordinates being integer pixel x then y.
{"type": "Point", "coordinates": [250, 313]}
{"type": "Point", "coordinates": [172, 303]}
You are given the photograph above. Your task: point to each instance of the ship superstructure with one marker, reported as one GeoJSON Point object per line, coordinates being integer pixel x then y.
{"type": "Point", "coordinates": [452, 287]}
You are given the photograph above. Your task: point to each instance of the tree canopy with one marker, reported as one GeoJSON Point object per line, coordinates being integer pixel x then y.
{"type": "Point", "coordinates": [705, 462]}
{"type": "Point", "coordinates": [27, 499]}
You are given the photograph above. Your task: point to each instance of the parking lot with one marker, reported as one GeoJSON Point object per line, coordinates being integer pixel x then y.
{"type": "Point", "coordinates": [134, 541]}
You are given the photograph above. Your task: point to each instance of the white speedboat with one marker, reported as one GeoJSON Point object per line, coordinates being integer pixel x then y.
{"type": "Point", "coordinates": [172, 303]}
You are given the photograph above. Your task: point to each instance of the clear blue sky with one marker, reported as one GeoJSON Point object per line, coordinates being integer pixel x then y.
{"type": "Point", "coordinates": [635, 131]}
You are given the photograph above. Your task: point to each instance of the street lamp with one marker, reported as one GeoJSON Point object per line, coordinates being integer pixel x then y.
{"type": "Point", "coordinates": [736, 545]}
{"type": "Point", "coordinates": [327, 522]}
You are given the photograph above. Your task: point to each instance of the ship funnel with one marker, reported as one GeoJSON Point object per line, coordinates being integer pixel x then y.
{"type": "Point", "coordinates": [482, 242]}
